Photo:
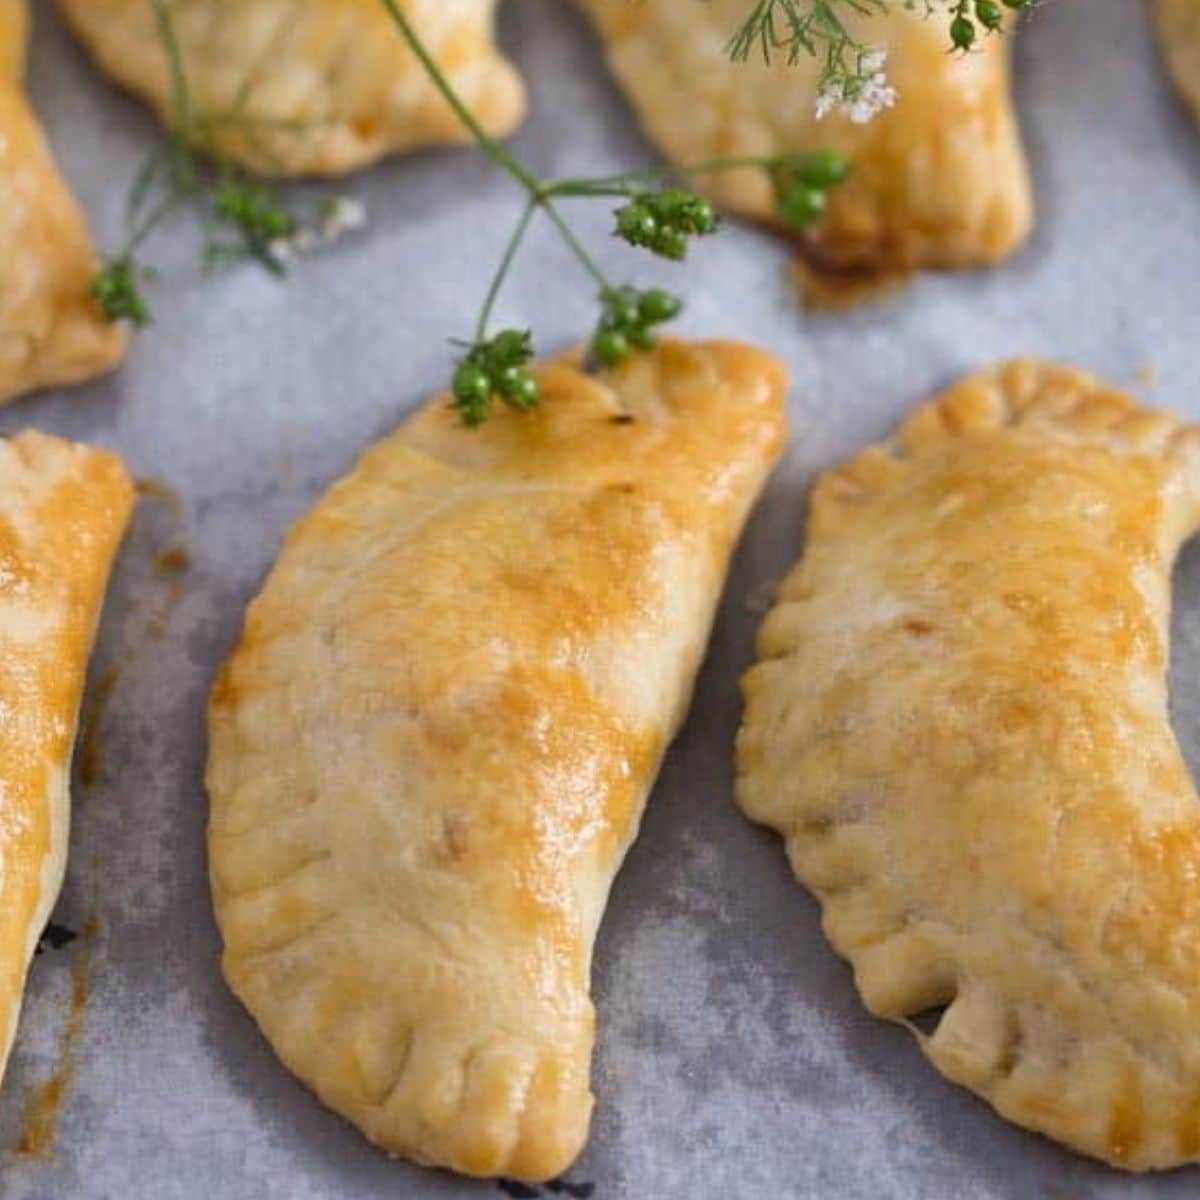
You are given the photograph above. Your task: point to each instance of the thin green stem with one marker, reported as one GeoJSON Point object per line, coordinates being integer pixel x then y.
{"type": "Point", "coordinates": [621, 185]}
{"type": "Point", "coordinates": [181, 99]}
{"type": "Point", "coordinates": [585, 189]}
{"type": "Point", "coordinates": [575, 245]}
{"type": "Point", "coordinates": [540, 193]}
{"type": "Point", "coordinates": [144, 182]}
{"type": "Point", "coordinates": [487, 143]}
{"type": "Point", "coordinates": [157, 215]}
{"type": "Point", "coordinates": [506, 262]}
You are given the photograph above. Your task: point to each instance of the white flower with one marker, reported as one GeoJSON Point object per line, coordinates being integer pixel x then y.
{"type": "Point", "coordinates": [282, 250]}
{"type": "Point", "coordinates": [340, 216]}
{"type": "Point", "coordinates": [861, 97]}
{"type": "Point", "coordinates": [873, 97]}
{"type": "Point", "coordinates": [873, 62]}
{"type": "Point", "coordinates": [827, 100]}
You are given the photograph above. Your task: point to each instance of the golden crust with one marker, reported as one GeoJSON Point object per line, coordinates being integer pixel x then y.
{"type": "Point", "coordinates": [959, 724]}
{"type": "Point", "coordinates": [50, 331]}
{"type": "Point", "coordinates": [1178, 23]}
{"type": "Point", "coordinates": [63, 510]}
{"type": "Point", "coordinates": [308, 87]}
{"type": "Point", "coordinates": [433, 745]}
{"type": "Point", "coordinates": [939, 181]}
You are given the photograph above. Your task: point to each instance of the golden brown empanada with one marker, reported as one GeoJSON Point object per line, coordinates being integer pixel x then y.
{"type": "Point", "coordinates": [959, 724]}
{"type": "Point", "coordinates": [63, 509]}
{"type": "Point", "coordinates": [939, 180]}
{"type": "Point", "coordinates": [307, 87]}
{"type": "Point", "coordinates": [50, 331]}
{"type": "Point", "coordinates": [434, 743]}
{"type": "Point", "coordinates": [1179, 35]}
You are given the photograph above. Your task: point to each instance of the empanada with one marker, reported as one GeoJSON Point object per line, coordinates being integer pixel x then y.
{"type": "Point", "coordinates": [959, 724]}
{"type": "Point", "coordinates": [307, 87]}
{"type": "Point", "coordinates": [939, 180]}
{"type": "Point", "coordinates": [1179, 35]}
{"type": "Point", "coordinates": [434, 743]}
{"type": "Point", "coordinates": [63, 509]}
{"type": "Point", "coordinates": [50, 331]}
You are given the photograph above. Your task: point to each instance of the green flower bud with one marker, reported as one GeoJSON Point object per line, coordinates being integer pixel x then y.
{"type": "Point", "coordinates": [509, 347]}
{"type": "Point", "coordinates": [823, 169]}
{"type": "Point", "coordinates": [471, 385]}
{"type": "Point", "coordinates": [657, 306]}
{"type": "Point", "coordinates": [671, 244]}
{"type": "Point", "coordinates": [642, 337]}
{"type": "Point", "coordinates": [622, 311]}
{"type": "Point", "coordinates": [522, 390]}
{"type": "Point", "coordinates": [610, 346]}
{"type": "Point", "coordinates": [962, 32]}
{"type": "Point", "coordinates": [802, 206]}
{"type": "Point", "coordinates": [989, 13]}
{"type": "Point", "coordinates": [636, 224]}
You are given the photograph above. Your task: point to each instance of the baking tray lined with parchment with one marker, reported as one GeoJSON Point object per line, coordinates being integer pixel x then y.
{"type": "Point", "coordinates": [733, 1055]}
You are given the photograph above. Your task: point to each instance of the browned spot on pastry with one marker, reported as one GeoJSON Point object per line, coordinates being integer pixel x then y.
{"type": "Point", "coordinates": [224, 690]}
{"type": "Point", "coordinates": [1188, 1129]}
{"type": "Point", "coordinates": [453, 843]}
{"type": "Point", "coordinates": [1125, 1123]}
{"type": "Point", "coordinates": [817, 825]}
{"type": "Point", "coordinates": [366, 127]}
{"type": "Point", "coordinates": [919, 626]}
{"type": "Point", "coordinates": [45, 1102]}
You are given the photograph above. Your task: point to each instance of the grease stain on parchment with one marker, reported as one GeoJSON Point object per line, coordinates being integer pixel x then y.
{"type": "Point", "coordinates": [91, 753]}
{"type": "Point", "coordinates": [45, 1102]}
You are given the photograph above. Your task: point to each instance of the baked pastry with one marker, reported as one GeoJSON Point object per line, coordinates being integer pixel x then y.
{"type": "Point", "coordinates": [939, 180]}
{"type": "Point", "coordinates": [307, 87]}
{"type": "Point", "coordinates": [1179, 35]}
{"type": "Point", "coordinates": [959, 724]}
{"type": "Point", "coordinates": [63, 509]}
{"type": "Point", "coordinates": [50, 331]}
{"type": "Point", "coordinates": [434, 743]}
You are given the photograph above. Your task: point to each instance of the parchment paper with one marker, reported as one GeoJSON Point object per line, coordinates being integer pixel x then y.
{"type": "Point", "coordinates": [734, 1058]}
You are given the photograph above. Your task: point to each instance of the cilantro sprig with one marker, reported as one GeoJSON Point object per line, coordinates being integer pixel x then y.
{"type": "Point", "coordinates": [820, 29]}
{"type": "Point", "coordinates": [244, 220]}
{"type": "Point", "coordinates": [651, 212]}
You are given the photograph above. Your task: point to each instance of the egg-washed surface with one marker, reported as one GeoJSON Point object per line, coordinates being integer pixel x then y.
{"type": "Point", "coordinates": [307, 87]}
{"type": "Point", "coordinates": [433, 744]}
{"type": "Point", "coordinates": [63, 509]}
{"type": "Point", "coordinates": [938, 181]}
{"type": "Point", "coordinates": [959, 724]}
{"type": "Point", "coordinates": [51, 334]}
